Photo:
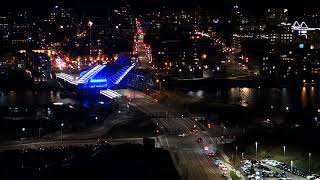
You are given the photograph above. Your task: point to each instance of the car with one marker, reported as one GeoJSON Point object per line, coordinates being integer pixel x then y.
{"type": "Point", "coordinates": [247, 172]}
{"type": "Point", "coordinates": [224, 169]}
{"type": "Point", "coordinates": [211, 154]}
{"type": "Point", "coordinates": [283, 174]}
{"type": "Point", "coordinates": [217, 162]}
{"type": "Point", "coordinates": [251, 176]}
{"type": "Point", "coordinates": [194, 129]}
{"type": "Point", "coordinates": [224, 174]}
{"type": "Point", "coordinates": [310, 177]}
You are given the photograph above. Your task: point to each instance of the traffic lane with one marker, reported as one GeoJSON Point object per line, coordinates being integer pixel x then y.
{"type": "Point", "coordinates": [188, 141]}
{"type": "Point", "coordinates": [197, 166]}
{"type": "Point", "coordinates": [54, 144]}
{"type": "Point", "coordinates": [177, 142]}
{"type": "Point", "coordinates": [207, 162]}
{"type": "Point", "coordinates": [189, 169]}
{"type": "Point", "coordinates": [193, 158]}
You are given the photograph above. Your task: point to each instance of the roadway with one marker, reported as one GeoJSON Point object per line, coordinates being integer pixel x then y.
{"type": "Point", "coordinates": [190, 158]}
{"type": "Point", "coordinates": [48, 144]}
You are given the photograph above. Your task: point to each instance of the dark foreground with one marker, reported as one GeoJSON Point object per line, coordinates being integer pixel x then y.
{"type": "Point", "coordinates": [102, 161]}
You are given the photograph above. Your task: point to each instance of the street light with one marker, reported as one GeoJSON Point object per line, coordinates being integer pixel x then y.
{"type": "Point", "coordinates": [242, 154]}
{"type": "Point", "coordinates": [61, 137]}
{"type": "Point", "coordinates": [236, 151]}
{"type": "Point", "coordinates": [23, 130]}
{"type": "Point", "coordinates": [256, 143]}
{"type": "Point", "coordinates": [39, 133]}
{"type": "Point", "coordinates": [309, 161]}
{"type": "Point", "coordinates": [291, 165]}
{"type": "Point", "coordinates": [284, 151]}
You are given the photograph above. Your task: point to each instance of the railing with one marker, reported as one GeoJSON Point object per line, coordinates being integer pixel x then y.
{"type": "Point", "coordinates": [124, 74]}
{"type": "Point", "coordinates": [110, 94]}
{"type": "Point", "coordinates": [92, 72]}
{"type": "Point", "coordinates": [67, 77]}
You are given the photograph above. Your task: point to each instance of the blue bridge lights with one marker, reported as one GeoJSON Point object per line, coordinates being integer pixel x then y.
{"type": "Point", "coordinates": [102, 80]}
{"type": "Point", "coordinates": [103, 76]}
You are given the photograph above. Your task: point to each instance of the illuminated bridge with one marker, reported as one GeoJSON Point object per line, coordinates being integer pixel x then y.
{"type": "Point", "coordinates": [102, 78]}
{"type": "Point", "coordinates": [302, 28]}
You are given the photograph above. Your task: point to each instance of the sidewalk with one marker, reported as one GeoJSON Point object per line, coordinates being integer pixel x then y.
{"type": "Point", "coordinates": [229, 166]}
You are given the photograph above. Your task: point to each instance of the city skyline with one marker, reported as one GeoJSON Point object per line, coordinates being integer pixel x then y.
{"type": "Point", "coordinates": [137, 89]}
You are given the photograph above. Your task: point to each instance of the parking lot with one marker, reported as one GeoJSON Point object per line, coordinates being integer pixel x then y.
{"type": "Point", "coordinates": [272, 169]}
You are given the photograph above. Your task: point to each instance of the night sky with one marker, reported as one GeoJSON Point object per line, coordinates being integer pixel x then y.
{"type": "Point", "coordinates": [211, 5]}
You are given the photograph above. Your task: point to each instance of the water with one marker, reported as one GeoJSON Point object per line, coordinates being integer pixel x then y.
{"type": "Point", "coordinates": [299, 98]}
{"type": "Point", "coordinates": [11, 98]}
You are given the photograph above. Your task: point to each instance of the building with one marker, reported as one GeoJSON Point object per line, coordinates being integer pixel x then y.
{"type": "Point", "coordinates": [113, 75]}
{"type": "Point", "coordinates": [276, 16]}
{"type": "Point", "coordinates": [4, 29]}
{"type": "Point", "coordinates": [40, 66]}
{"type": "Point", "coordinates": [21, 28]}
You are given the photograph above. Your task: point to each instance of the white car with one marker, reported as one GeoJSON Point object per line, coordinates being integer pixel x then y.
{"type": "Point", "coordinates": [310, 177]}
{"type": "Point", "coordinates": [224, 169]}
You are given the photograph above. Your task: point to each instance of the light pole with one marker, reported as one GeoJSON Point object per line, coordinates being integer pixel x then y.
{"type": "Point", "coordinates": [159, 81]}
{"type": "Point", "coordinates": [61, 137]}
{"type": "Point", "coordinates": [23, 130]}
{"type": "Point", "coordinates": [291, 165]}
{"type": "Point", "coordinates": [119, 112]}
{"type": "Point", "coordinates": [39, 134]}
{"type": "Point", "coordinates": [242, 154]}
{"type": "Point", "coordinates": [236, 152]}
{"type": "Point", "coordinates": [284, 151]}
{"type": "Point", "coordinates": [309, 161]}
{"type": "Point", "coordinates": [256, 143]}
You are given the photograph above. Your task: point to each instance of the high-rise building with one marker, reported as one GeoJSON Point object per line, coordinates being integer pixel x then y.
{"type": "Point", "coordinates": [62, 17]}
{"type": "Point", "coordinates": [277, 16]}
{"type": "Point", "coordinates": [4, 28]}
{"type": "Point", "coordinates": [312, 17]}
{"type": "Point", "coordinates": [40, 66]}
{"type": "Point", "coordinates": [21, 28]}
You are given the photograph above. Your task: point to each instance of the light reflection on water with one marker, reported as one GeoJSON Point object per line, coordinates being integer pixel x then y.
{"type": "Point", "coordinates": [32, 98]}
{"type": "Point", "coordinates": [300, 97]}
{"type": "Point", "coordinates": [198, 94]}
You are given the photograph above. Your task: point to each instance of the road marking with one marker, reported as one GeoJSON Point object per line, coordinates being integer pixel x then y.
{"type": "Point", "coordinates": [167, 141]}
{"type": "Point", "coordinates": [211, 140]}
{"type": "Point", "coordinates": [160, 142]}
